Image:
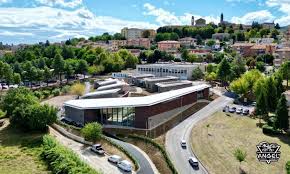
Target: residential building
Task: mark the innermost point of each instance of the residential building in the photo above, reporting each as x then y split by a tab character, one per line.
135	52
261	40
140	42
281	55
116	44
269	25
243	49
168	45
200	22
187	42
131	33
182	71
150	115
199	52
221	36
260	49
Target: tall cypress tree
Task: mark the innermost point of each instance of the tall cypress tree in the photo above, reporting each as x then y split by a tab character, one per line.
282	120
271	94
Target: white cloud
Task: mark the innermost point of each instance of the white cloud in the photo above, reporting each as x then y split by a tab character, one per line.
62	23
62	3
4	1
164	17
11	33
259	16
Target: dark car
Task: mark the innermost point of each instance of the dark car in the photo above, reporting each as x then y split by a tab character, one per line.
193	162
97	148
66	120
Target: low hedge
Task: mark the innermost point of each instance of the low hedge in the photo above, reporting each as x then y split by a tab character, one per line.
63	160
288	167
77	130
123	150
269	130
159	147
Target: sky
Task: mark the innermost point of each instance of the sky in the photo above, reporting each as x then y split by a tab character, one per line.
33	21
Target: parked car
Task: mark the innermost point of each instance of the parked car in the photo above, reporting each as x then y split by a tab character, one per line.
193	162
254	104
183	144
125	165
114	159
66	120
97	148
232	109
239	111
226	108
246	112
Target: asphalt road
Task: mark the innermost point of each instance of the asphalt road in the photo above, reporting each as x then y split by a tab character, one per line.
180	156
146	166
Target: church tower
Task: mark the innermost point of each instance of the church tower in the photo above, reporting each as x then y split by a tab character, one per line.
222	18
192	21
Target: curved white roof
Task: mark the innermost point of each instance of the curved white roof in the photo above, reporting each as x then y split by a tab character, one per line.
133	101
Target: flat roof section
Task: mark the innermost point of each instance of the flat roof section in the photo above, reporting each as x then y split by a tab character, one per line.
97	93
156	79
133	101
173	83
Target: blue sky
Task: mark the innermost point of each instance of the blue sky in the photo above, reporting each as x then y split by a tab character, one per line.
31	21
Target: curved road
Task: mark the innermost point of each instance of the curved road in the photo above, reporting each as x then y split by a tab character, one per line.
180	156
145	164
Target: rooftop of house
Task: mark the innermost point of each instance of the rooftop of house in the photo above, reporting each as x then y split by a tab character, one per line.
169	41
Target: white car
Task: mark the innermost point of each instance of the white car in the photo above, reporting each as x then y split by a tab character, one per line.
183	143
239	111
114	159
125	166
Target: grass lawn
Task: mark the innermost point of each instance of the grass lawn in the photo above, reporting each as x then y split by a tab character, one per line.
215	146
19	152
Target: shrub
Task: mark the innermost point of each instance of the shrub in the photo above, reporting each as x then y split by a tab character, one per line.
288	167
55	92
46	93
77	89
2	114
92	131
240	155
38	94
61	159
269	130
65	89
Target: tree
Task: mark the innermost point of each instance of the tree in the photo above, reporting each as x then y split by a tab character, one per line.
210	43
184	55
260	66
95	70
82	67
197	74
146	34
192	58
277	26
285	71
47	74
261	99
198	39
282	118
224	70
238	67
68	71
279	84
92	131
17	97
17	78
271	94
78	89
58	65
240	156
7	73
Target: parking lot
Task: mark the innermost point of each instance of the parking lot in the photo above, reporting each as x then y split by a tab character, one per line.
98	162
239	109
